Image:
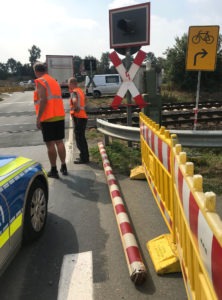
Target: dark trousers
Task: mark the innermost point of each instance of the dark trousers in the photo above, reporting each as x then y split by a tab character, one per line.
81	143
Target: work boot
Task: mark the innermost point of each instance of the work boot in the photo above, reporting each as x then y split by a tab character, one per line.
63	169
53	173
81	161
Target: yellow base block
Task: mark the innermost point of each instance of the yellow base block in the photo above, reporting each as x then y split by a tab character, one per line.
164	254
137	173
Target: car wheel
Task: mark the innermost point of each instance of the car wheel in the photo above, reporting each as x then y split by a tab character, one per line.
96	94
35	211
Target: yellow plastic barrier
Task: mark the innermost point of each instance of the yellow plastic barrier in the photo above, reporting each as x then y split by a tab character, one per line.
198	231
195	239
157	163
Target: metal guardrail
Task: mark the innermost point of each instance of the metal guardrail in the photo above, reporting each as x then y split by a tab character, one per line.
187	138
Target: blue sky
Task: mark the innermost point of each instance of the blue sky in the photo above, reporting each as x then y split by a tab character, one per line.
71	27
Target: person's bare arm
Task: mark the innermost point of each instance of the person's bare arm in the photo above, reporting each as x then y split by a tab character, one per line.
42	102
75	101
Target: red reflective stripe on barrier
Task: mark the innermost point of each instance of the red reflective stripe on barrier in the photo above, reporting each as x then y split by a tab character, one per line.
147	135
133	254
108	172
106	165
160	149
116	102
162	206
193	216
140	101
216	267
119	208
115	193
139	57
115	59
125	228
154	189
146	130
170	222
112	181
152	142
156	145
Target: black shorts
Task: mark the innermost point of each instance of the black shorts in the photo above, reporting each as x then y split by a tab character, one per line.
53	131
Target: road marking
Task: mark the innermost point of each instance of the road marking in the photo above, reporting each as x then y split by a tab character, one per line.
75	281
69	142
19	102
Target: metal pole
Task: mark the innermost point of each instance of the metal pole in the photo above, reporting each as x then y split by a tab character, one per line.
128	96
197	100
90	63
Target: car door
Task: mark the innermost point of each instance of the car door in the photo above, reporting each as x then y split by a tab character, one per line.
112	84
4	231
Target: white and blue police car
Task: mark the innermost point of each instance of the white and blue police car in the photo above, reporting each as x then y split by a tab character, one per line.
23	204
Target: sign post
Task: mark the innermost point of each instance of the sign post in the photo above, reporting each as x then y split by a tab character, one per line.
90	65
201	54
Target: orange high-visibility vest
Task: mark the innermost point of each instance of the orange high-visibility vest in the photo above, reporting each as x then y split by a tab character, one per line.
80	111
54	107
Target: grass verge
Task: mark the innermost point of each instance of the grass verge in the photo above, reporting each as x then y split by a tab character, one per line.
207	161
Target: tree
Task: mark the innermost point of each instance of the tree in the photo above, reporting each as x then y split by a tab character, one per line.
150	57
103	67
92	58
175	68
35	54
156	63
3	71
77	61
174	65
11	66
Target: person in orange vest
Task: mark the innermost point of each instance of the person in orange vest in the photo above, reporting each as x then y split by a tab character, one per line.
50	119
80	118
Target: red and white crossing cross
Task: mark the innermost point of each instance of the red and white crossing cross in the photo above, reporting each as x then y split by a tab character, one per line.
127	78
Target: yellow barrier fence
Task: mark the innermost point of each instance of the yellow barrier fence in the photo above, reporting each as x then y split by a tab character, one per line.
195	238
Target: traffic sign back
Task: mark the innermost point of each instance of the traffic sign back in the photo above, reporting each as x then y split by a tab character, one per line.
202	48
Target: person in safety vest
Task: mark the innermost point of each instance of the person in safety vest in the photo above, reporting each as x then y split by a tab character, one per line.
79	117
50	113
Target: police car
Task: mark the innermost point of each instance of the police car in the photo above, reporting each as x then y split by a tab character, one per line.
23	204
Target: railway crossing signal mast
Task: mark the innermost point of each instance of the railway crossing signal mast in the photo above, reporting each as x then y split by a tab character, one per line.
201	54
129	30
90	66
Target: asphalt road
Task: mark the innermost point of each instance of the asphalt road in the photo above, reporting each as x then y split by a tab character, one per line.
81	221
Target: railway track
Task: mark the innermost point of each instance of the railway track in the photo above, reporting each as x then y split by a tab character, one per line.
173	115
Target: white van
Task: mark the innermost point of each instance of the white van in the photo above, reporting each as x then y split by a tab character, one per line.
104	84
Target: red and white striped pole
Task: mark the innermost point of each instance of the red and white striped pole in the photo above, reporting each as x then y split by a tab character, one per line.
136	266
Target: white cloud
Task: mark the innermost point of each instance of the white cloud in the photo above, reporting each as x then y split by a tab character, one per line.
47	25
198	1
163	34
55	29
121	3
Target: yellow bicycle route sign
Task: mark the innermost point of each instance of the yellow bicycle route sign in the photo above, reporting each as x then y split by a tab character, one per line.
202	48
